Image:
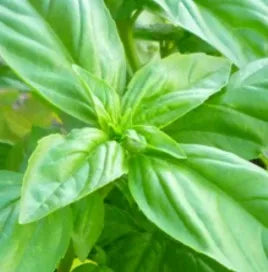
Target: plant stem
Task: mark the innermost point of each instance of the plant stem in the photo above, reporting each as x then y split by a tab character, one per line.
125	28
264	159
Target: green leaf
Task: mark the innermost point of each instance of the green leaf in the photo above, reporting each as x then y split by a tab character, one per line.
151	140
89	267
50	41
22	247
136	252
88	224
105	100
4	151
236	120
8	80
153	252
236	28
19	112
123	9
64	169
180	258
213	202
118	223
89	33
167	89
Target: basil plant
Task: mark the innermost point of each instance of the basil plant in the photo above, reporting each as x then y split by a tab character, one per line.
157	161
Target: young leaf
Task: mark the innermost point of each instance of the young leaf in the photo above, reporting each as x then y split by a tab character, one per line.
22	247
167	89
104	99
88	224
64	169
236	28
213	202
236	120
151	140
50	41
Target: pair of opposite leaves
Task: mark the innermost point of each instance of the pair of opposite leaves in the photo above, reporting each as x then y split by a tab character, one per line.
52	75
91	177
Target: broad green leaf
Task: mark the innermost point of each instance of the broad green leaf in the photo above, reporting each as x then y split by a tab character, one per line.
124	222
64	169
56	172
151	140
167	89
213	202
88	224
32	247
152	252
236	120
136	252
236	28
51	37
89	33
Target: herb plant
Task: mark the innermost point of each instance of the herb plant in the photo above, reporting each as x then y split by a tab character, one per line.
133	135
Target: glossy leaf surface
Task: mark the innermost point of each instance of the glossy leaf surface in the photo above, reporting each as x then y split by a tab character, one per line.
104	99
153	252
63	169
204	201
88	224
88	32
167	89
40	31
236	28
136	252
235	120
151	140
22	246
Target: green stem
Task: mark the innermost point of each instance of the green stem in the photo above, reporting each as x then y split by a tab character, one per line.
264	159
67	261
125	28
